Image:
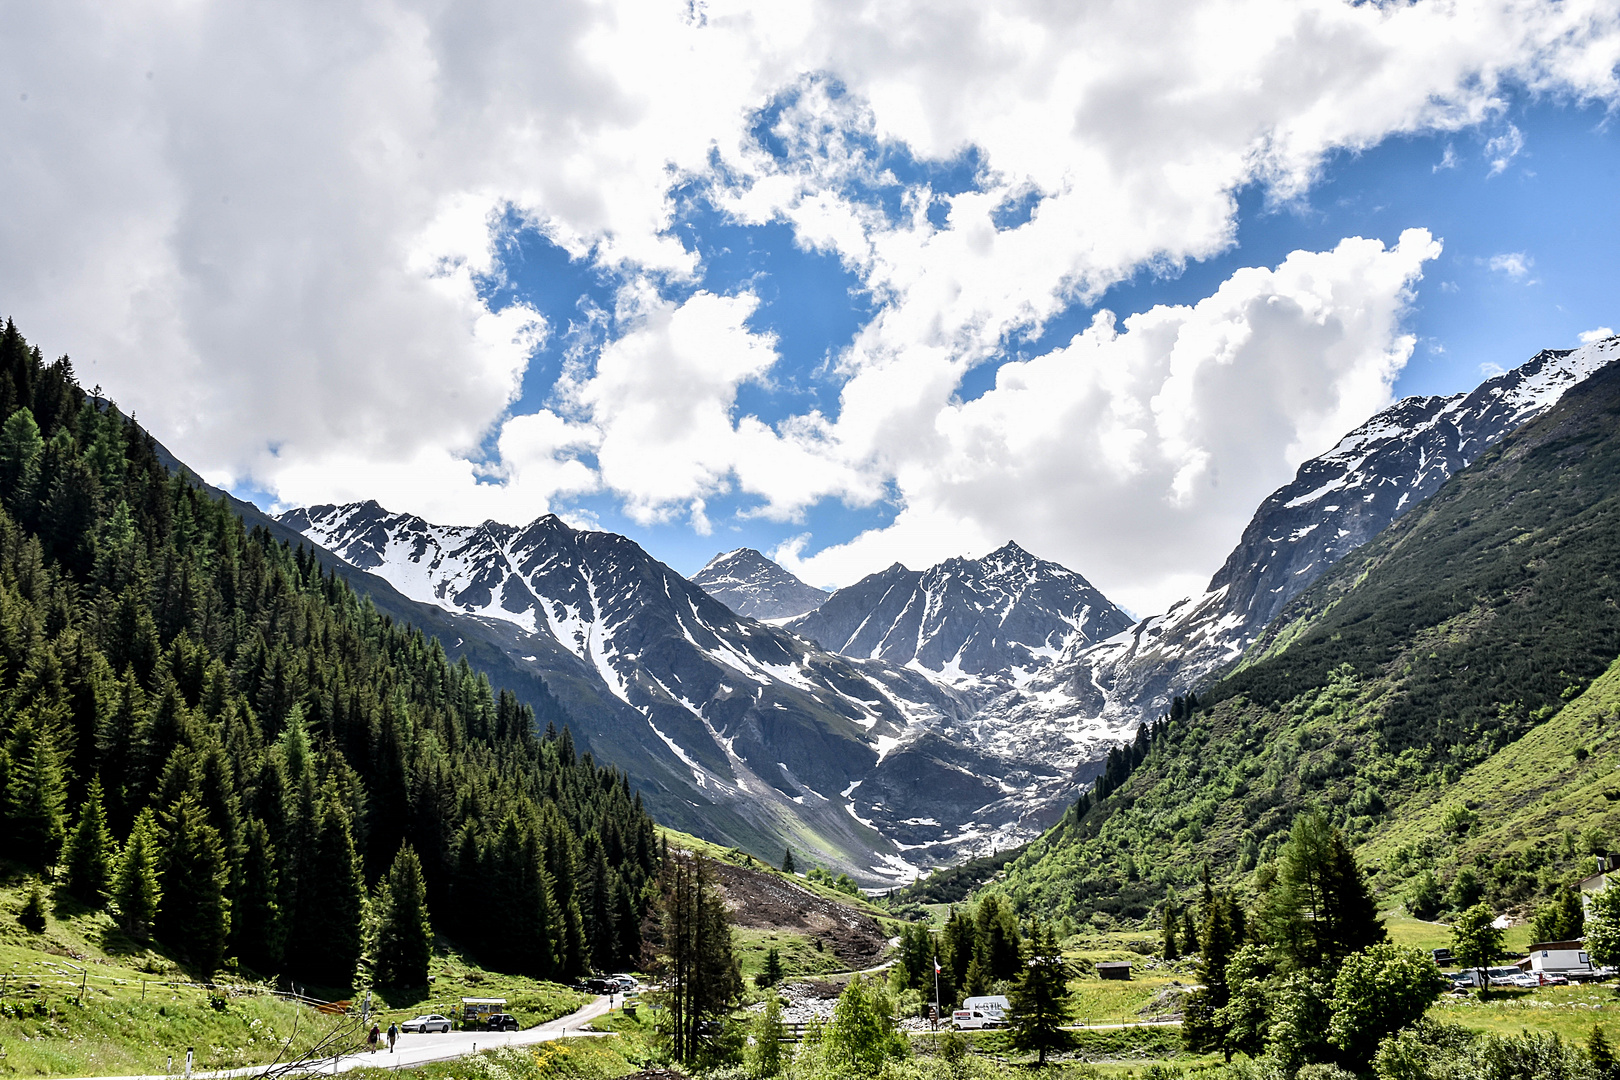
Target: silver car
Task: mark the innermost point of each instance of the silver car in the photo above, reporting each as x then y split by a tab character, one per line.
425	1024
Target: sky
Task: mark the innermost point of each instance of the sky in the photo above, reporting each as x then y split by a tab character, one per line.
851	284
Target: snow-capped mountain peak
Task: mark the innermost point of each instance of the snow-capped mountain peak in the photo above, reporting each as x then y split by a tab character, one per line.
752	585
970	623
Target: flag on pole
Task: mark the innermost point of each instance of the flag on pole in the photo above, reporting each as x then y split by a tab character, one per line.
936	966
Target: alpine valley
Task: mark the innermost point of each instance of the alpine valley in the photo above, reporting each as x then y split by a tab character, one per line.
917	716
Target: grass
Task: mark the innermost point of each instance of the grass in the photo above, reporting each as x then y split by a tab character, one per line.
798	952
134	1010
1535	791
1568	1011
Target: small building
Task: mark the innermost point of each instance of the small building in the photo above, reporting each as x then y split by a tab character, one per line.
1557	958
1114	969
474	1010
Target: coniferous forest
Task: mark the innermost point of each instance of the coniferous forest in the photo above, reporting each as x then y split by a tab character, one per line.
204	730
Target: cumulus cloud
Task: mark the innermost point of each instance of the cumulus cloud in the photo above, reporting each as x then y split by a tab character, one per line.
1601	333
1167	429
263	229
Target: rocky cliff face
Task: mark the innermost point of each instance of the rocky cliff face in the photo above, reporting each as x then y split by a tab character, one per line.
973	624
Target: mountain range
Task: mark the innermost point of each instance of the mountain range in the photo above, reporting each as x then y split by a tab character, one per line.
915	716
1445	693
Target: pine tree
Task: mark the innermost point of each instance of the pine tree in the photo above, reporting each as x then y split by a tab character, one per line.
1170	947
1040	1000
787	862
35	795
696	961
772	974
87	856
137	888
258	931
194	918
327	935
404	937
1318	909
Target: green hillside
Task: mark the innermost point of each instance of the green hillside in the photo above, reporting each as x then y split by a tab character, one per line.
1453	662
210	735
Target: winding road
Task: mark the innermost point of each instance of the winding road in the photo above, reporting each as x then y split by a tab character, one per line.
417	1049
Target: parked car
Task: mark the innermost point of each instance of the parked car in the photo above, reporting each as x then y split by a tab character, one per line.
425	1024
602	986
1554	979
499	1022
627	983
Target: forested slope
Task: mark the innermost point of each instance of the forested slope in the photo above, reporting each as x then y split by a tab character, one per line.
1467	624
270	737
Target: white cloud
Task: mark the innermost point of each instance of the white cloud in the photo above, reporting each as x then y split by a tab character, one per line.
1503	148
1515	264
262	227
1137	449
1599	334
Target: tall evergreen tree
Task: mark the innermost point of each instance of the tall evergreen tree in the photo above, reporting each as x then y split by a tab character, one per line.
194	917
1040	1000
87	856
258	931
137	887
696	962
34	797
404	937
327	932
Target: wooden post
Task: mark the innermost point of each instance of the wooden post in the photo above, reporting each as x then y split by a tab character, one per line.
84	979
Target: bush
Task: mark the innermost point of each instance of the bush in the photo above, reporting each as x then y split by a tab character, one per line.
32	915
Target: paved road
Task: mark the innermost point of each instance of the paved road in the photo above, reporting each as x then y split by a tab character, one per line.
416	1049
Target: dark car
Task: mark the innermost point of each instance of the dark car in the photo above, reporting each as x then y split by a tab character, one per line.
499	1022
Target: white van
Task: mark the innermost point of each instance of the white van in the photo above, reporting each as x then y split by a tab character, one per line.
981	1012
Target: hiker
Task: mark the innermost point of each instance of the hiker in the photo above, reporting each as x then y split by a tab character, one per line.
371	1039
393	1036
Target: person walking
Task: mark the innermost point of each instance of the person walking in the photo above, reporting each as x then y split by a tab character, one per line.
393	1036
373	1036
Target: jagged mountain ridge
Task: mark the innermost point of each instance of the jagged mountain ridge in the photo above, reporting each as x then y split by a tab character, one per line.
752	585
1095	694
969	623
736	729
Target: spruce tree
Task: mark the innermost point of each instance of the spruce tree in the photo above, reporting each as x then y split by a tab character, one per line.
35	795
258	931
87	856
137	888
1040	1000
404	937
194	918
327	937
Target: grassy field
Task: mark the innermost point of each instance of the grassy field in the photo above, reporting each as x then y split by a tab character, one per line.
799	954
83	999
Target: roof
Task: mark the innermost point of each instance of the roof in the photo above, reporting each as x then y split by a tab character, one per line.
483	1001
1112	965
1565	946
